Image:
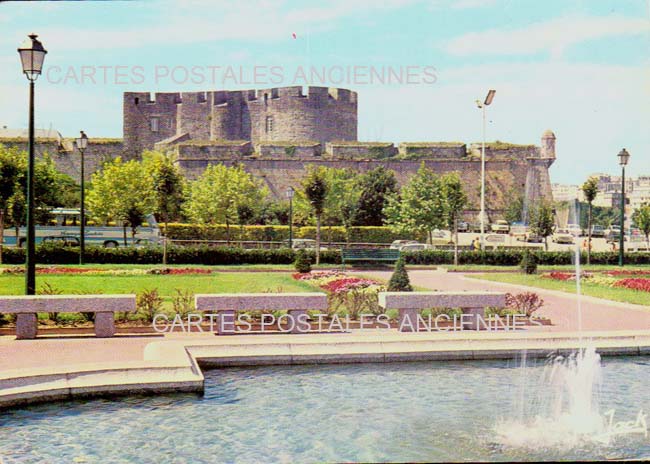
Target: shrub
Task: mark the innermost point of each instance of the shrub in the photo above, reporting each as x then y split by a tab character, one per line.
399	281
528	263
48	289
182	302
148	303
525	303
302	262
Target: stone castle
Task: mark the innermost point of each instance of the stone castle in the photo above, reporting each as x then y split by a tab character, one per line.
277	133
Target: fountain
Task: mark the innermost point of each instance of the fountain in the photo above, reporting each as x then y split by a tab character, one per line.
565	413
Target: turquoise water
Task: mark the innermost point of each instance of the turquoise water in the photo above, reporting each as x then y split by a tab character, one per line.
371	412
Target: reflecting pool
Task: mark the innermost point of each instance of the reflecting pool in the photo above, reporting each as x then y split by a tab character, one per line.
364	412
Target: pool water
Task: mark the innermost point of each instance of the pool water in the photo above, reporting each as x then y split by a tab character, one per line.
364	412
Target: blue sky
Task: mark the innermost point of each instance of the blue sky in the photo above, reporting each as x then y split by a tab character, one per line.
580	68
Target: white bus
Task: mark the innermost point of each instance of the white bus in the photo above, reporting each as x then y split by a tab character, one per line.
67	231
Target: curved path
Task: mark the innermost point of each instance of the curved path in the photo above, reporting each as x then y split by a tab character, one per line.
560	307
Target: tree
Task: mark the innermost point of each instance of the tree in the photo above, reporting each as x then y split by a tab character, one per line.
590	190
342	198
399	280
168	183
216	195
455	202
641	218
375	187
515	209
542	221
245	215
122	192
315	190
10	171
420	206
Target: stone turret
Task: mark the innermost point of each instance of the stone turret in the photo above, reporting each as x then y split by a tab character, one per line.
547	148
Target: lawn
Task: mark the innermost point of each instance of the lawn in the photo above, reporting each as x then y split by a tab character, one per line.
219	282
588	288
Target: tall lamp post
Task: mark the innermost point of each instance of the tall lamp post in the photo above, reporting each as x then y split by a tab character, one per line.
290	193
32	55
623	158
488	100
82	144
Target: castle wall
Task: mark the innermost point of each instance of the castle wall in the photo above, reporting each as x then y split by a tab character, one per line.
68	160
424	150
277	114
138	110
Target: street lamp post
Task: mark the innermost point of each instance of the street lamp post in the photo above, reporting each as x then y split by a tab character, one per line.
290	193
488	100
32	55
623	158
82	144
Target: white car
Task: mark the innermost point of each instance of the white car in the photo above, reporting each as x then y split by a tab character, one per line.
563	236
398	244
304	244
574	229
416	247
500	227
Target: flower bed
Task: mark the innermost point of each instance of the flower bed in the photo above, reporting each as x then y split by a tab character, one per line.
107	272
642	285
346	294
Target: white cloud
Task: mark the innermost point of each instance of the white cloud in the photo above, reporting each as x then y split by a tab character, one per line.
203	21
552	36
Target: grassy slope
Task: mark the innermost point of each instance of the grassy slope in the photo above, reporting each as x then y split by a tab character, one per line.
616	294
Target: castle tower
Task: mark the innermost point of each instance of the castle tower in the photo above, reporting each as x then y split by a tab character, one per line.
547	148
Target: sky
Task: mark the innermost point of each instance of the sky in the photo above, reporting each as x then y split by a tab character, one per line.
580	68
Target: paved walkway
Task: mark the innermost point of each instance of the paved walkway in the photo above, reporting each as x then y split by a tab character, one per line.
560	307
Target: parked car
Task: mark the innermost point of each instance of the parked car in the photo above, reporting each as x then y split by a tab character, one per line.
62	240
575	230
563	236
597	231
613	236
533	238
463	226
500	227
397	244
304	244
518	230
416	247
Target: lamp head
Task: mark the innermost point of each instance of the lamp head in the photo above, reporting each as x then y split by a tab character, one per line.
82	141
623	157
32	54
290	192
489	97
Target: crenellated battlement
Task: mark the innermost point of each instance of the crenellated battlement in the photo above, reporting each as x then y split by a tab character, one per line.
273	114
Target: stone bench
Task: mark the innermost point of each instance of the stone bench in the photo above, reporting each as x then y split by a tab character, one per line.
27	307
226	304
410	303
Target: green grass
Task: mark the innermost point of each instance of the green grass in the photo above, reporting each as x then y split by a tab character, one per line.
222	282
624	295
541	268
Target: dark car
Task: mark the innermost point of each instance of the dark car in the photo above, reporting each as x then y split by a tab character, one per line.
62	240
597	231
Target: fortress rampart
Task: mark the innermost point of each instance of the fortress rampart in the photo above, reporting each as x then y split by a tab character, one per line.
277	133
277	114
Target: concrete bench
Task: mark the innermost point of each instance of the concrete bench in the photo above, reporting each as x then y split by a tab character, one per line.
226	304
27	307
410	303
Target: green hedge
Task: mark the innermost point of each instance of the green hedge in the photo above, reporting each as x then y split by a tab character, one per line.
177	231
51	254
46	254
